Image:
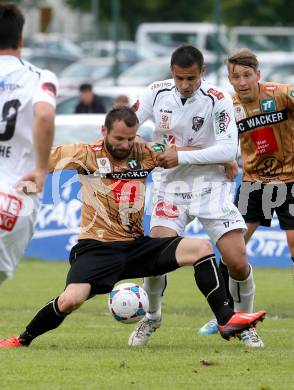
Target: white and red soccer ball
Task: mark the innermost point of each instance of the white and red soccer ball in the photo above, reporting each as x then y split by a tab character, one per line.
128	302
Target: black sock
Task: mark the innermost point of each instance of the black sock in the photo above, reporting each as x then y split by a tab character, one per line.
225	274
48	317
210	282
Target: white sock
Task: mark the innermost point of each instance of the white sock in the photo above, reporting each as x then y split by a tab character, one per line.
155	286
243	292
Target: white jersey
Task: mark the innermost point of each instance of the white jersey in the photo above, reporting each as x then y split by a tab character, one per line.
205	120
21	86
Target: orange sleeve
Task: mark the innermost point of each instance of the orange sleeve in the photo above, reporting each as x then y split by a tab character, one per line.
68	157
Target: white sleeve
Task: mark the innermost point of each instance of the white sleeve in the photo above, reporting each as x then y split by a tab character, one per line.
46	90
144	106
225	130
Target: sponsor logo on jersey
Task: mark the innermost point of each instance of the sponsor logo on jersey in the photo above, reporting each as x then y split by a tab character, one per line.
197	122
268	105
222	120
291	93
135	106
165	121
264	140
96	148
103	165
124	191
133	164
4	86
239	112
10	207
49	88
262	120
140	174
161	85
270	87
163	209
219	95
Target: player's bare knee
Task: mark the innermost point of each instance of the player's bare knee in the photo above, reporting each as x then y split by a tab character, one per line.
190	250
68	303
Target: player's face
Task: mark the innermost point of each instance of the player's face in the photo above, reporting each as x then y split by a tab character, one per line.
119	140
187	80
244	80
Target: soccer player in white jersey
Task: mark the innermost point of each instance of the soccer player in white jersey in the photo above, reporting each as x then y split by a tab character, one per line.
192	114
27	109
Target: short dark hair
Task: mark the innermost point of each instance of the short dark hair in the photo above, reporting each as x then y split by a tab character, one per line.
121	113
85	87
186	56
11	25
243	57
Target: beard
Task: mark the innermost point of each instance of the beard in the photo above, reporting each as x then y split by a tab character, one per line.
117	154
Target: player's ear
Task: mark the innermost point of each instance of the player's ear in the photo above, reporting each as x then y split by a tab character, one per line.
21	41
258	74
104	130
203	71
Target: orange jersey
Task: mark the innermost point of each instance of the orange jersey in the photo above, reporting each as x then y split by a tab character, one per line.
266	131
113	191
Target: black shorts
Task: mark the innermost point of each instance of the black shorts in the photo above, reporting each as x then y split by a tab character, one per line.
102	264
255	205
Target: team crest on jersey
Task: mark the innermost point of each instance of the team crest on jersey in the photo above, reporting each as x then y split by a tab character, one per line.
197	122
268	105
165	121
49	88
239	113
133	164
168	139
291	93
103	165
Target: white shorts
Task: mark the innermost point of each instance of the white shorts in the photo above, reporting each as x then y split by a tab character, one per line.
215	210
18	213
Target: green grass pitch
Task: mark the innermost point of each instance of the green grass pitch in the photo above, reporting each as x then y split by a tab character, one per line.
89	350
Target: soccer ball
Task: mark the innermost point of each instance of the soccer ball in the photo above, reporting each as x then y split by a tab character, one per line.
128	302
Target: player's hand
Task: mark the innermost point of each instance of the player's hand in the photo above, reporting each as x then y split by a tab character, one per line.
32	182
168	159
139	148
231	170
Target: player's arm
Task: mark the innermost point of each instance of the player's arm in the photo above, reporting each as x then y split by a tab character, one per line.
144	110
42	133
226	141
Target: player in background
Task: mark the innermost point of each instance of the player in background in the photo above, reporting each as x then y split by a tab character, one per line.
189	112
111	244
264	113
27	105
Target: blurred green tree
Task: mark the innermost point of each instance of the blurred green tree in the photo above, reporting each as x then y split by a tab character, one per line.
234	12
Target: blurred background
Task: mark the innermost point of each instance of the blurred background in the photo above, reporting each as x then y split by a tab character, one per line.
127	43
105	52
